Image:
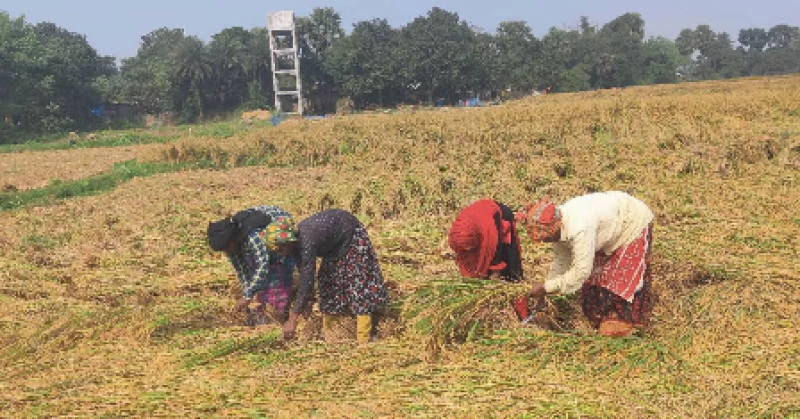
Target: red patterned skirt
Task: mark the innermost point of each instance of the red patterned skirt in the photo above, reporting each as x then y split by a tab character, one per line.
619	286
354	282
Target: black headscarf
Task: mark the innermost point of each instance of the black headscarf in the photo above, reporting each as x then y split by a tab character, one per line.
221	232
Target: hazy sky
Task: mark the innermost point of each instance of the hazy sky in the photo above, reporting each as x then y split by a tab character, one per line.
114	27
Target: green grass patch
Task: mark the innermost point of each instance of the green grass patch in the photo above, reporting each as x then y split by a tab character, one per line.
156	396
16	138
224	129
589	354
219	130
232	346
58	189
120	172
760	243
713	273
43	242
130	137
104	140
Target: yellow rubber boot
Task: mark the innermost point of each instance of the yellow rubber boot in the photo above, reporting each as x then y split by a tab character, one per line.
363	327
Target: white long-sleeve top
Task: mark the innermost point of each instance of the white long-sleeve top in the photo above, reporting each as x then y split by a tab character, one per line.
603	221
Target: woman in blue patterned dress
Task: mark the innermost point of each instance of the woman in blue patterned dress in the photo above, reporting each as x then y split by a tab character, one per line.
265	277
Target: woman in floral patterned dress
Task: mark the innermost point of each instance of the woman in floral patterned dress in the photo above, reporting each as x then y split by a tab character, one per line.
349	280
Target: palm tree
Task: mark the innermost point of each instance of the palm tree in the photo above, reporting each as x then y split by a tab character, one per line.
230	51
193	70
258	67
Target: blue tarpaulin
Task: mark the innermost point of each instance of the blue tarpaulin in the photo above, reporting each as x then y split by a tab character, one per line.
473	102
470	103
277	119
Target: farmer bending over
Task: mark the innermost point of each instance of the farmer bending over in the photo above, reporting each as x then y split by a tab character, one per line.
484	239
602	245
349	280
265	276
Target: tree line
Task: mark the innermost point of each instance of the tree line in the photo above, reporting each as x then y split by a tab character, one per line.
50	77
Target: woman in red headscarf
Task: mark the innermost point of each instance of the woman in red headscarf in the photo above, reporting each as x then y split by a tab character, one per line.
484	238
601	243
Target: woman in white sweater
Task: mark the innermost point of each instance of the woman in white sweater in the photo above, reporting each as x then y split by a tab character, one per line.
602	245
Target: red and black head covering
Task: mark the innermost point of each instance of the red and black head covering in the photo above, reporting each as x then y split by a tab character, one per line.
541	220
474	237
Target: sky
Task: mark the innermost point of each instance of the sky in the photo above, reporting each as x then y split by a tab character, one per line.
115	27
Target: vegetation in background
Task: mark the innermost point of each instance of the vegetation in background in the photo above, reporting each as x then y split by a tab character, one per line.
48	77
52	78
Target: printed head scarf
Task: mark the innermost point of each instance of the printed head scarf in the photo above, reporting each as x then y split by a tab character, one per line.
541	220
281	230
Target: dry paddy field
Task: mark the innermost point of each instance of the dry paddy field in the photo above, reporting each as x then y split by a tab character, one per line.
35	169
112	304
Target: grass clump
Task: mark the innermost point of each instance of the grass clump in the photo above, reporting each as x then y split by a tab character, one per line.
458	310
228	347
106	139
58	189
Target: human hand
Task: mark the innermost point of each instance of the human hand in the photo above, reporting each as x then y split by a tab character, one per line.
290	327
537	290
242	304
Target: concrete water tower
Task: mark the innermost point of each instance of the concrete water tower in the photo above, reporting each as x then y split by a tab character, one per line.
285	62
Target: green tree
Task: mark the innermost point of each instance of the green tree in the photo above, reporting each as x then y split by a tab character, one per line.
363	64
517	51
621	43
317	34
193	71
659	62
782	36
259	71
575	79
752	42
19	52
782	54
487	71
753	39
230	52
148	78
69	68
559	54
437	50
713	54
47	76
